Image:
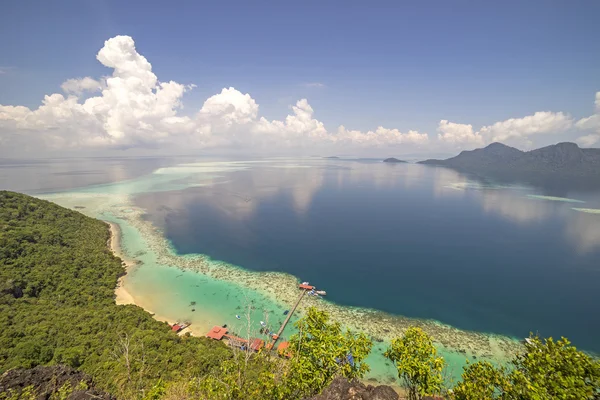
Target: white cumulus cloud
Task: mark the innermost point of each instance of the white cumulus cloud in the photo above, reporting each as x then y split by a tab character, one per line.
461	135
513	130
380	137
133	108
81	85
542	122
591	123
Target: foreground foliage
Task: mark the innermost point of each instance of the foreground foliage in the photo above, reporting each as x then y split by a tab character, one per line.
418	365
320	351
547	370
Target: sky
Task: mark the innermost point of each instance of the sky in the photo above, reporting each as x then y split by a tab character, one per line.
336	77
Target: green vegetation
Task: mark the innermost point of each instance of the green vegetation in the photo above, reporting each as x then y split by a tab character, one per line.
57	280
320	351
414	356
547	370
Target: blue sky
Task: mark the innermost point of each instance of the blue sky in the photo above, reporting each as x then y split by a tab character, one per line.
404	65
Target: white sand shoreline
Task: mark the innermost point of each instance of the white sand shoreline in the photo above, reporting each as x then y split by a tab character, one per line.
122	295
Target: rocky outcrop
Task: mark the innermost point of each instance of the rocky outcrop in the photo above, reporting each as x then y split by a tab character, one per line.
342	389
48	380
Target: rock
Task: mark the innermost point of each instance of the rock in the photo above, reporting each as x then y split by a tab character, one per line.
48	380
342	389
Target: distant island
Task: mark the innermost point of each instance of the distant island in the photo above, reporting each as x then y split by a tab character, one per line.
333	157
562	160
393	160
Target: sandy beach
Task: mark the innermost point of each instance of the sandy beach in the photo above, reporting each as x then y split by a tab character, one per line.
122	295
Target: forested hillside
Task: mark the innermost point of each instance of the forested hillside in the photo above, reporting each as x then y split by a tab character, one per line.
57	280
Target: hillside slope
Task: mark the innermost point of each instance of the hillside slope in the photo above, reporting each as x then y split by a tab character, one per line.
57	280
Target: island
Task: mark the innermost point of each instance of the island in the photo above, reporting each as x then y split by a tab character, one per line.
562	160
393	160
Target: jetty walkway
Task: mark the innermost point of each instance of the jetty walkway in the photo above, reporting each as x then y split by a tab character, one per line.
304	290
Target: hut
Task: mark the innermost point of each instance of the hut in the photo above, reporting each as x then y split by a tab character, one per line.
217	333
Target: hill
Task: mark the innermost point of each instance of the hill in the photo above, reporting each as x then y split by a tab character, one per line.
560	160
393	160
57	281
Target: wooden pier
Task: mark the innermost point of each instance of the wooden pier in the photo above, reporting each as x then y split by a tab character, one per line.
220	332
276	337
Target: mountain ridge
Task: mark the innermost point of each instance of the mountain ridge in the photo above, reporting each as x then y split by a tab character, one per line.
563	159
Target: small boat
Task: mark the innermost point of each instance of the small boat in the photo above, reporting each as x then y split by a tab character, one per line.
286	312
262	323
321	292
179	326
238	317
305	283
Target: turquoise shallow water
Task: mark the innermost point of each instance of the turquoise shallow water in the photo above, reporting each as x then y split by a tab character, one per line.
169	291
166	283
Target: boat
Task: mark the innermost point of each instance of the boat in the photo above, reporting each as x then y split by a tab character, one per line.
305	283
321	292
262	323
286	312
179	326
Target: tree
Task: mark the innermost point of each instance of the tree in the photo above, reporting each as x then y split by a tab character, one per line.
481	380
546	370
320	351
418	366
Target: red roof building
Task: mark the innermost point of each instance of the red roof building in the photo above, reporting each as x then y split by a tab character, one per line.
257	344
175	328
306	287
282	349
217	333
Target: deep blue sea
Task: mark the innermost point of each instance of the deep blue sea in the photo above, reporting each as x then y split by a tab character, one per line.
413	240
